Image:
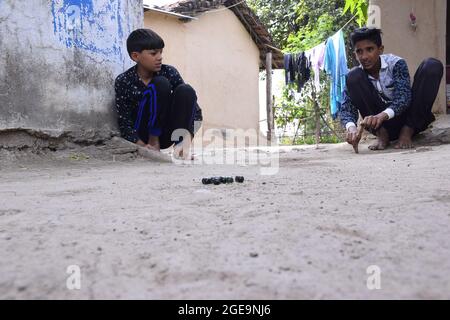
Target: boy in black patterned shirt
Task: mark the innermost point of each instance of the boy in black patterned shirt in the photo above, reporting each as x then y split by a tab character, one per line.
152	101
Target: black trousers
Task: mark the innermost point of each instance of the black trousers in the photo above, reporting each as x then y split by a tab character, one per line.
418	116
162	111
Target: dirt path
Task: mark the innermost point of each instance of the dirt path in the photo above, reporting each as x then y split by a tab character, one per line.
144	230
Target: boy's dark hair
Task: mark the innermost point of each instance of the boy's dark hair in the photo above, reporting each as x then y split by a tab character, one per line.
371	34
144	39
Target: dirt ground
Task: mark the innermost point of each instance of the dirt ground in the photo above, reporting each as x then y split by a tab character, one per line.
143	230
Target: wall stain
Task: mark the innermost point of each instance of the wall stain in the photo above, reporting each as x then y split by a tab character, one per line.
91	26
33	102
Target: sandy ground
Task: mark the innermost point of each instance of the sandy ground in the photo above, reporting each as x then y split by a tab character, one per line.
146	230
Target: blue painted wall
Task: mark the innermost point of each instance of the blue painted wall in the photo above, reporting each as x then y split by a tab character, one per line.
94	27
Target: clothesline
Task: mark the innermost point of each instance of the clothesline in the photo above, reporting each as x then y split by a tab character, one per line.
348	22
329	56
345	25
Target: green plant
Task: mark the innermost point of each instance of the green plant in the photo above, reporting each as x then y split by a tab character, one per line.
358	7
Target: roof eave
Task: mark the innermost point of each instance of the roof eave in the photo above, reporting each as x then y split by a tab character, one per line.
178	15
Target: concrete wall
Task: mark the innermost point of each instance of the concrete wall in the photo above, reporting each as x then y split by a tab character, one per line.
217	56
428	40
58	61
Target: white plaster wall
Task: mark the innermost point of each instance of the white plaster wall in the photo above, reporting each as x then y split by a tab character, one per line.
429	40
217	56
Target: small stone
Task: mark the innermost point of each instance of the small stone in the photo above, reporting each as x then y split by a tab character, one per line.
206	181
22	288
254	255
239	179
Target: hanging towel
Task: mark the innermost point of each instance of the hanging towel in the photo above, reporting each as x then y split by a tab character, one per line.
336	68
316	56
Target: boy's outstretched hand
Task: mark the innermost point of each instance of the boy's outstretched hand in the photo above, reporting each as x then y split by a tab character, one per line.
354	136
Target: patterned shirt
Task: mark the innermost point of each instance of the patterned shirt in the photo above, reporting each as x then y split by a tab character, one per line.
130	91
393	86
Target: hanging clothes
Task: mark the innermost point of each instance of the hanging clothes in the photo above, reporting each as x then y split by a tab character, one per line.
289	68
297	69
287	57
303	71
316	57
336	67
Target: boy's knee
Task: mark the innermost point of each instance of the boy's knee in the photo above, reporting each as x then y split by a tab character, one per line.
186	91
433	67
356	76
161	84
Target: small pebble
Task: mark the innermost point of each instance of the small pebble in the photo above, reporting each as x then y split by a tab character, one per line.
239	179
206	181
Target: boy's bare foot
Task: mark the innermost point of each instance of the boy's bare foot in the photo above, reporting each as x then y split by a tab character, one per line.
382	140
153	143
405	139
141	143
181	154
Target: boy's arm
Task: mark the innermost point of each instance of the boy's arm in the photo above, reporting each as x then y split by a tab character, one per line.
402	90
175	78
124	113
348	114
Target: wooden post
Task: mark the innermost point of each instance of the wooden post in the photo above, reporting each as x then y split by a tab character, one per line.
270	118
317	114
316	106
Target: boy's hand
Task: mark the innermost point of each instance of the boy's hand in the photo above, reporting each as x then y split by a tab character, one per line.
375	122
352	135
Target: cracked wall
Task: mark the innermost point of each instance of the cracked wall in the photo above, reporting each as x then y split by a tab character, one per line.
59	59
